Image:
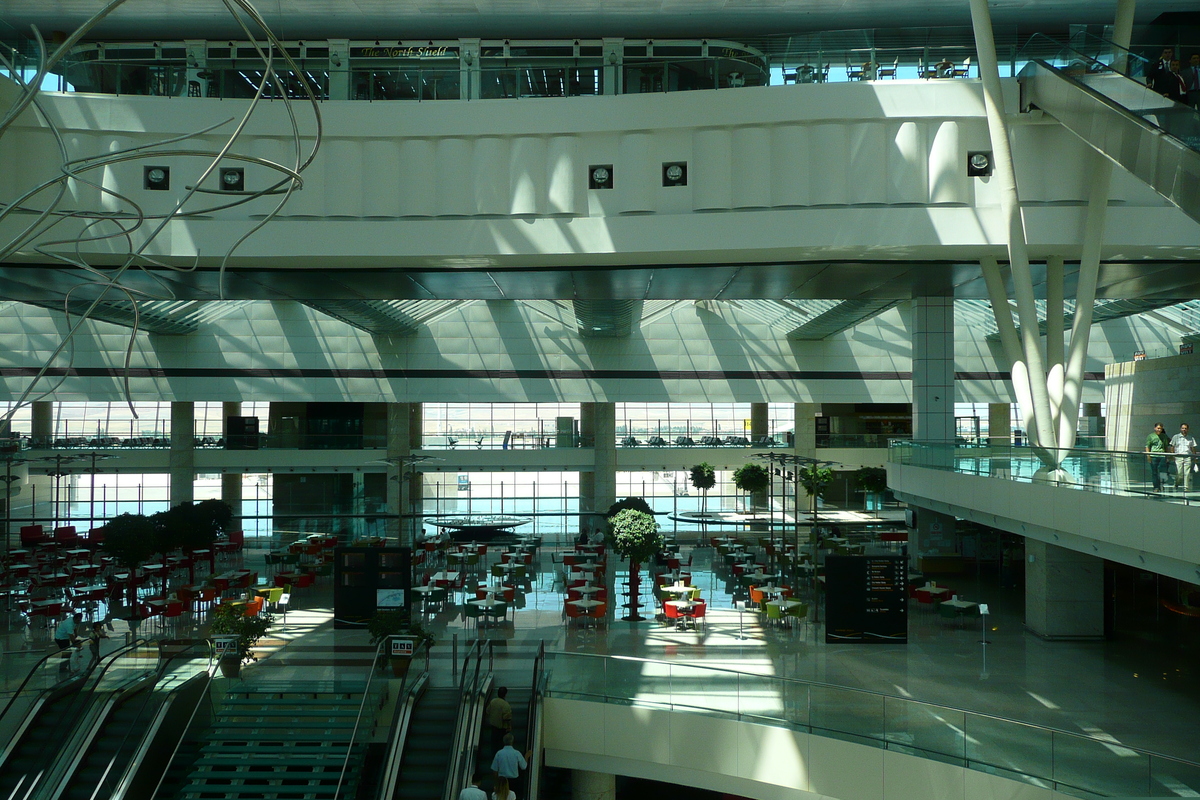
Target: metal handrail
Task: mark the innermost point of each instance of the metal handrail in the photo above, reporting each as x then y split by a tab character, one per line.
161	669
896	698
362	706
533	724
465	731
399	729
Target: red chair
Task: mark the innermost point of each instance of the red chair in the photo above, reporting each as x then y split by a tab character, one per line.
66	534
673	614
573	612
699	611
33	535
570	561
599	613
574	595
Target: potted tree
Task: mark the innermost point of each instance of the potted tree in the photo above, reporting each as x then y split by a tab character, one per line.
873	482
635	535
704	477
131	539
815	479
230	620
753	479
397	622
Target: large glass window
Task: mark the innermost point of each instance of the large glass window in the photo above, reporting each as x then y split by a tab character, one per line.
496	425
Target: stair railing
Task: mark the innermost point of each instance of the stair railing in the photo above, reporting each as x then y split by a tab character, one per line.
374	696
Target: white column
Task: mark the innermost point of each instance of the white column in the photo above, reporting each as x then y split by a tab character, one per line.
1005	176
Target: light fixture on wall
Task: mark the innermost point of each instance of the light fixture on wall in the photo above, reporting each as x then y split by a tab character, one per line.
156	179
979	164
233	179
674	173
600	176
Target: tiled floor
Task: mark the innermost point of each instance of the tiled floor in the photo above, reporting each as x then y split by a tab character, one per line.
1128	691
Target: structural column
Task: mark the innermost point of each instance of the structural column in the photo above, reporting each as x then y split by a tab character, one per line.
804	443
231	483
182	462
587	785
404	485
933	369
760	421
598	488
42	423
1064	592
999	424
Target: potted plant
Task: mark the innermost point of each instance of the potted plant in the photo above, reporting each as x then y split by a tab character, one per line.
384	624
753	479
815	479
231	620
704	477
635	535
873	481
131	539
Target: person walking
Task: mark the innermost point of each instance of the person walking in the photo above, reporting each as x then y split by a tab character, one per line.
509	762
473	792
498	714
1184	447
65	634
1191	80
1157	443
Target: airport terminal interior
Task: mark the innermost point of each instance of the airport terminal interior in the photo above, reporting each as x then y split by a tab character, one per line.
737	399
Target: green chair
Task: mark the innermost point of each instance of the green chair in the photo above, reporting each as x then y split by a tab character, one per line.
519	573
436	597
798	613
498	571
774	613
472	612
499	612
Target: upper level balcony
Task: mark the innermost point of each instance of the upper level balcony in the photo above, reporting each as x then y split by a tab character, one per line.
1100	502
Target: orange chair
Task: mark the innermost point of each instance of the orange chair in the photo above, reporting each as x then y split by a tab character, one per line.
253	608
599	613
573	612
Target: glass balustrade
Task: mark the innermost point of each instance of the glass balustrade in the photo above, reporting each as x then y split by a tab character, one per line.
1069	762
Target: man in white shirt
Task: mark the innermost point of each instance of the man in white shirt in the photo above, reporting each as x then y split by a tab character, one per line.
1184	447
473	792
509	762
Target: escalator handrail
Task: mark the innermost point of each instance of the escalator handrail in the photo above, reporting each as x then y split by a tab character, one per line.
179	743
401	720
362	707
161	668
533	724
460	754
33	670
89	680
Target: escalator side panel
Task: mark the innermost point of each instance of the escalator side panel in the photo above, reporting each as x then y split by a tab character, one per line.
1164	162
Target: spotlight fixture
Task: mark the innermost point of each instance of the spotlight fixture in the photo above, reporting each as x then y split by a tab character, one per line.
233	179
156	179
674	173
979	164
600	176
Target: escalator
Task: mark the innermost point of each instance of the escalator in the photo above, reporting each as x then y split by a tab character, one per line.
1097	91
425	766
132	741
49	710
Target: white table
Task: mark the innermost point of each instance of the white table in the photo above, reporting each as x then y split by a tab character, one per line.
589	589
676	589
586	603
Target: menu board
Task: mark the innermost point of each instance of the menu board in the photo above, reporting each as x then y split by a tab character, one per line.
866	600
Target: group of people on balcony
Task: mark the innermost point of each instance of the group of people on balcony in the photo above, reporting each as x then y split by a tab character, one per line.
1172	457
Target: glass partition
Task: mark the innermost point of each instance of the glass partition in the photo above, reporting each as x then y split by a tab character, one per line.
1067	762
1105	471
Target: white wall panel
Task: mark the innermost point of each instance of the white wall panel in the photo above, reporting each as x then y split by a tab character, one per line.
455	189
381	190
527	175
564	176
343	177
635	177
907	175
710	172
751	168
309	201
490	175
418	190
789	165
828	156
948	166
867	167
